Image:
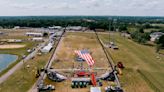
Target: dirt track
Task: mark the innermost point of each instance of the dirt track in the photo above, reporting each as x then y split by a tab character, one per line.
11	46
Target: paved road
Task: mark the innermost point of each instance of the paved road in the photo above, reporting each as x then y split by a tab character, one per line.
43	75
18	65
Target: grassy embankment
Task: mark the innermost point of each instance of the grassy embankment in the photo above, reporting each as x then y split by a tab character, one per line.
138	57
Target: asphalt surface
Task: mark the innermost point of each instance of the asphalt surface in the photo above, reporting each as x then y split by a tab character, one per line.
48	65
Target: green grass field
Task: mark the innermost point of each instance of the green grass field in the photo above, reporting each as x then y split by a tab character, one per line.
160	25
135	56
151	29
24	78
79	41
19	52
66	59
161	51
16	34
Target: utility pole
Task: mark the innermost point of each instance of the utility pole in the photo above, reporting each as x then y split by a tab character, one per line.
110	23
114	25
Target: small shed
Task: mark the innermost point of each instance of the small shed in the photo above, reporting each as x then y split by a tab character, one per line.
155	36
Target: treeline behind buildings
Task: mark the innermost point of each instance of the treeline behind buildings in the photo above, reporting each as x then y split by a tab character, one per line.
101	22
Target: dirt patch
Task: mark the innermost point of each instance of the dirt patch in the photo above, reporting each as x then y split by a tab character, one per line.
11	46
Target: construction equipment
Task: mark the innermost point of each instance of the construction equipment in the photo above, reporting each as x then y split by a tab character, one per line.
109	76
93	79
120	65
82	73
113	46
44	88
113	89
56	77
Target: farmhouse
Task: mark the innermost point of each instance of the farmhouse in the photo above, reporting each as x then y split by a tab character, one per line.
47	48
34	34
126	35
37	39
155	36
16	27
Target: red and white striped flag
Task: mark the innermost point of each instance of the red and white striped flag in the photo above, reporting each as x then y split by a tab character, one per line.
84	54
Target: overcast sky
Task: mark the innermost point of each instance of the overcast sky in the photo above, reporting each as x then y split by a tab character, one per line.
82	7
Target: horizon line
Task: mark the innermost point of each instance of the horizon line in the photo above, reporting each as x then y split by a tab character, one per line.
77	16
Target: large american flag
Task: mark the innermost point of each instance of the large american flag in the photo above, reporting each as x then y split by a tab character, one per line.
84	54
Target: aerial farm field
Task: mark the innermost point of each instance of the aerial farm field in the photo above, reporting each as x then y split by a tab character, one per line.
18	49
66	59
143	66
24	77
79	41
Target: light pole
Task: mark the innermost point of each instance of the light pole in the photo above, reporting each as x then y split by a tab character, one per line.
110	24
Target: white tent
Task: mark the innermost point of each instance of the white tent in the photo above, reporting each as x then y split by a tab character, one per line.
47	48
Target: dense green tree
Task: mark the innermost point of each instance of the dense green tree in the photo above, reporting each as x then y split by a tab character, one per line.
161	41
140	37
45	34
141	30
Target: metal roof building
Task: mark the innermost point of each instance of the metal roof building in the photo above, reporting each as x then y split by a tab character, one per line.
34	34
47	48
37	39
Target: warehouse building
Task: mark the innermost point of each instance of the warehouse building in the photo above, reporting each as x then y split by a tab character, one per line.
40	39
34	34
47	48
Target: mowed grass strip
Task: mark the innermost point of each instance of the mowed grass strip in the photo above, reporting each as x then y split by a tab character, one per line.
135	56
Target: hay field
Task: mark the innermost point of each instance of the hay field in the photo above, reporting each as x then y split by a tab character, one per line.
14	33
135	56
11	46
66	59
78	41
